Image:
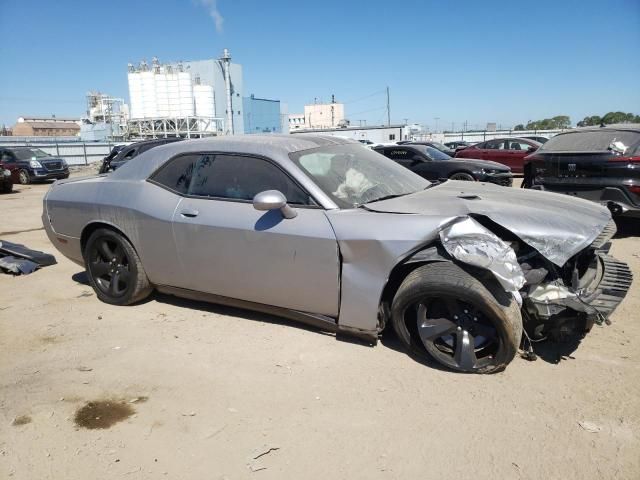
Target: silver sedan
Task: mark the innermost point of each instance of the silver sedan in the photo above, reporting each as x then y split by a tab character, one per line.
325	231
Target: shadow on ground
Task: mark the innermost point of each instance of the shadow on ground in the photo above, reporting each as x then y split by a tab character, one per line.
627	227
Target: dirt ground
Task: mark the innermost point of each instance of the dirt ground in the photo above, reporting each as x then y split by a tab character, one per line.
206	392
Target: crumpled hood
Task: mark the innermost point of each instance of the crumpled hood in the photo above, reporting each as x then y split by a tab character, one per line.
481	163
558	226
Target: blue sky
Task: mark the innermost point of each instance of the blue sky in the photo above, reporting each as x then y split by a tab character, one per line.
503	62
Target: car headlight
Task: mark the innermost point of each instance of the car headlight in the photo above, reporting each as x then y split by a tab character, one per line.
489	170
468	241
64	163
6	173
35	164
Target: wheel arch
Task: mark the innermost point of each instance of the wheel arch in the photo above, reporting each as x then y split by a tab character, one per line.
431	253
93	226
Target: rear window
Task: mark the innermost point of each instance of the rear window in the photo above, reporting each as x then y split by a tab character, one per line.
592	141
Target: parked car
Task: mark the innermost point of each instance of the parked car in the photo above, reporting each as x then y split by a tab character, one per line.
436	145
120	154
537	139
328	232
30	164
6	184
432	164
601	164
457	145
507	151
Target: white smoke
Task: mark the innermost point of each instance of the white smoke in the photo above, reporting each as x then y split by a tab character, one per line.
212	7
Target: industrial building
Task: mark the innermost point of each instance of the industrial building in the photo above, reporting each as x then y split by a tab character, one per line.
106	118
378	134
46	127
261	115
319	115
196	98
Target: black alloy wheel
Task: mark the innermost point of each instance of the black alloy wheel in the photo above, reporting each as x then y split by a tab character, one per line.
456	334
464	176
114	268
109	266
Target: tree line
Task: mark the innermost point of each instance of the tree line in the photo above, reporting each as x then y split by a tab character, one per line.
563	121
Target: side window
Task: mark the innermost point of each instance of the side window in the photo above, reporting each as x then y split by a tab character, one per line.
392	136
131	153
515	145
7	157
242	178
176	174
494	145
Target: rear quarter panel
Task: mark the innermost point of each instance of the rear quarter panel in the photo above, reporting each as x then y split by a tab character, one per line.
140	210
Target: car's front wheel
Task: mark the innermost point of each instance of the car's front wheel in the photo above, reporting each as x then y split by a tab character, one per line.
23	177
442	311
114	268
464	176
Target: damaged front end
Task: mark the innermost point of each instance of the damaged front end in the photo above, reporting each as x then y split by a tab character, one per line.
585	290
556	301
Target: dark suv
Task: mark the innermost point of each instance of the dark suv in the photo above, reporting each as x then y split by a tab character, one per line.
121	154
601	164
30	164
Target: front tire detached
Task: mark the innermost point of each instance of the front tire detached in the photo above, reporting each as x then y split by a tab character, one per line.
442	312
114	268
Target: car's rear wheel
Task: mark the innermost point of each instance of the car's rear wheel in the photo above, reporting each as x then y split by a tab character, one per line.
442	311
464	176
23	177
114	268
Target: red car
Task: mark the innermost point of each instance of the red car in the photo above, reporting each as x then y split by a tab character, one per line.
507	151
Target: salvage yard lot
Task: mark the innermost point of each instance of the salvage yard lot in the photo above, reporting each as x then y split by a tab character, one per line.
214	392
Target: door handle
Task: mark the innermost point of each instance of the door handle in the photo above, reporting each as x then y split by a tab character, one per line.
189	213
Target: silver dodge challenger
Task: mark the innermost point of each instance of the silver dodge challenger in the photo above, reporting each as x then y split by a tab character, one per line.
325	231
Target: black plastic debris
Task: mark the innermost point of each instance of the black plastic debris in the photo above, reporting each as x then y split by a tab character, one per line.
17	266
17	259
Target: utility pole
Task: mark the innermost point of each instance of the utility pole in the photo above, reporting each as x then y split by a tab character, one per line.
406	121
436	119
388	109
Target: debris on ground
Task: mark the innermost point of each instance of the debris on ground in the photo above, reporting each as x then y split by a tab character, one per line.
16	259
590	427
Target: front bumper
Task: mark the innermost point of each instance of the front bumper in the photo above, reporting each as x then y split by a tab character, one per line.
503	179
561	310
42	174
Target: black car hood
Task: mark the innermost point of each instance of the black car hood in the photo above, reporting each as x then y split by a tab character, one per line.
487	164
558	226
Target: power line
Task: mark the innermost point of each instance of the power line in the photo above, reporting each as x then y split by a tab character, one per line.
365	97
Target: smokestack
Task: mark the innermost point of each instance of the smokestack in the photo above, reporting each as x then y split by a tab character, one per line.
226	62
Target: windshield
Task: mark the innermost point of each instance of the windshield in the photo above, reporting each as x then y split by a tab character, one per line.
29	153
439	146
353	175
436	154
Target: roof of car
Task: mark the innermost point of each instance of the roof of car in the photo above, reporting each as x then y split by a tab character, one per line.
277	147
632	127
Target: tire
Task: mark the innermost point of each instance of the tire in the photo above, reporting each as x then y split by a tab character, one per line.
442	312
23	177
114	268
464	176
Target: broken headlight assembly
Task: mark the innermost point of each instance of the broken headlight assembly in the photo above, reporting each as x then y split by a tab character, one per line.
469	242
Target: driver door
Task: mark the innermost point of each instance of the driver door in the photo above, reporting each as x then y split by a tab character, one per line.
228	248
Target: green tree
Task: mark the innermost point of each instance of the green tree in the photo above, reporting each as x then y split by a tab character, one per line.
519	127
608	119
559	121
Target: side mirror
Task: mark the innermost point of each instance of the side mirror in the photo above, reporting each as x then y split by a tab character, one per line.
273	200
